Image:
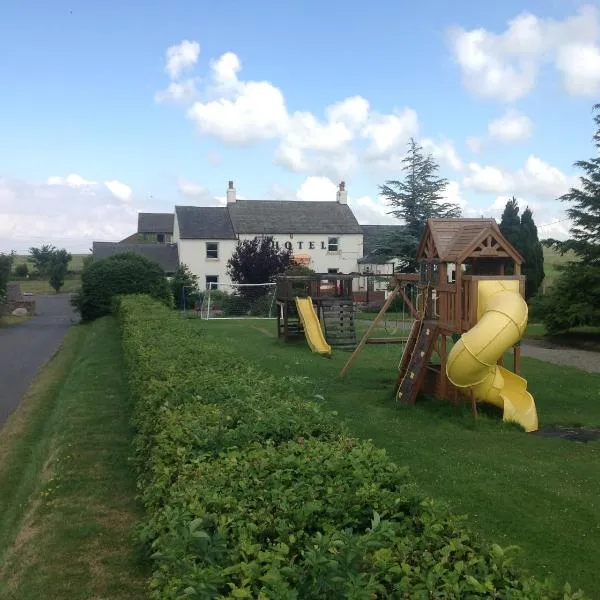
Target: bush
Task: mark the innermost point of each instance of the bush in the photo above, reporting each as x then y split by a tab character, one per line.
253	492
103	280
21	270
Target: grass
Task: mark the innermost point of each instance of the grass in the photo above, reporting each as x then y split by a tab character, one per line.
40	286
76	264
8	320
66	487
516	488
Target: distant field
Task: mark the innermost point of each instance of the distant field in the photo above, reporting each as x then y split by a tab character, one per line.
553	260
76	263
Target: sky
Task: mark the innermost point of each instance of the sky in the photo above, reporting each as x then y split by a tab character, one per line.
111	108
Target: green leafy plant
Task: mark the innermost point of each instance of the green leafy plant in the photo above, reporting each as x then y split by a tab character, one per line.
128	273
252	491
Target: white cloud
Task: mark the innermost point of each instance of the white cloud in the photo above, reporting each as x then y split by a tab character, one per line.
317	189
580	66
444	152
68	212
72	180
256	112
198	193
513	126
389	134
453	194
506	65
181	57
177	91
353	112
535	180
119	190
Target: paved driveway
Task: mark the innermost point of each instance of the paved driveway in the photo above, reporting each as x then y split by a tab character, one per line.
26	347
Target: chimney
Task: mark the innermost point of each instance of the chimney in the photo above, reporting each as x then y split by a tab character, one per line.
342	194
231	193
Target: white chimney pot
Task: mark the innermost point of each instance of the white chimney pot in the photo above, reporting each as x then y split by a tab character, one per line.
231	193
342	194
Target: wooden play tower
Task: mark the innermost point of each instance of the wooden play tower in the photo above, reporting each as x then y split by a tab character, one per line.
454	254
331	294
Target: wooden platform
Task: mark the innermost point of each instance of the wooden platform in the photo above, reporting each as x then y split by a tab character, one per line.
338	319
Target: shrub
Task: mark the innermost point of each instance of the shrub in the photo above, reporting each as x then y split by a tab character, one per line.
127	273
21	270
253	492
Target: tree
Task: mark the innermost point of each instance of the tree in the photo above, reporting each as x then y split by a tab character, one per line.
416	198
258	260
574	298
58	271
44	257
522	233
510	223
184	286
532	251
21	270
6	261
127	273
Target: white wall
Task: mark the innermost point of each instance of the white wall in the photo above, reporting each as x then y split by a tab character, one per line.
193	254
316	247
175	228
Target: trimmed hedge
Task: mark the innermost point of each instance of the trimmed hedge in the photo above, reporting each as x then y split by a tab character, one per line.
252	492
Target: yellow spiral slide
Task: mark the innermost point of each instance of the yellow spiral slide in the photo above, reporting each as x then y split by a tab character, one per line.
472	362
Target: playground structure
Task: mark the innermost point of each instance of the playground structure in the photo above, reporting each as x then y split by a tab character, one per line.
467	300
303	301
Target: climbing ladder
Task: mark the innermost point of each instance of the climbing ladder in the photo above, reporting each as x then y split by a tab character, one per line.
338	318
416	355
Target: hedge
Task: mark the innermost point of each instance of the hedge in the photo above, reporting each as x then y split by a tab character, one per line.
253	492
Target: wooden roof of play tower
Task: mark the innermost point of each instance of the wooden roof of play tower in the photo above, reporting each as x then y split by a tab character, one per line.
457	240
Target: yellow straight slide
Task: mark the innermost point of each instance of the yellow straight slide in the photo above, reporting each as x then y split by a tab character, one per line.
312	327
472	362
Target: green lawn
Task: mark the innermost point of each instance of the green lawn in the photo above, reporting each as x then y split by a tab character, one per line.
66	487
8	320
39	286
76	264
516	488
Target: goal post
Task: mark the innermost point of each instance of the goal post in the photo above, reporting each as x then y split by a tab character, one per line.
239	301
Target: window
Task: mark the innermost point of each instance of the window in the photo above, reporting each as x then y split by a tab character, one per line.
332	271
332	244
160	238
212	250
210	279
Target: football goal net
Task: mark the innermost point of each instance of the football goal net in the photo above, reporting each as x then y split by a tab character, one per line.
239	301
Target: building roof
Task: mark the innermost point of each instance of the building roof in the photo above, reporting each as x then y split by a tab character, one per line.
204	222
166	255
155	223
292	216
452	240
373	235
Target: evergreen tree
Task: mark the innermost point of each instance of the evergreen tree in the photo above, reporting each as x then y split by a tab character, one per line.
414	199
533	254
184	287
575	297
510	223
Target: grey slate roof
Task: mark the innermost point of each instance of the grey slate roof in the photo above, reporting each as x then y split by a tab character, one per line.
372	237
204	222
155	223
166	255
293	216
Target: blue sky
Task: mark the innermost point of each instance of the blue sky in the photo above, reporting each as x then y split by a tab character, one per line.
500	93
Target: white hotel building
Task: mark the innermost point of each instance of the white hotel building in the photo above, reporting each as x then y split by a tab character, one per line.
324	235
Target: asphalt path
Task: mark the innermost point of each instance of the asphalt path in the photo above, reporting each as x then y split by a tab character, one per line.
27	347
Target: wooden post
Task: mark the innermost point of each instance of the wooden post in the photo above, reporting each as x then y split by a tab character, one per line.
517	360
365	337
473	404
443	359
458	298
